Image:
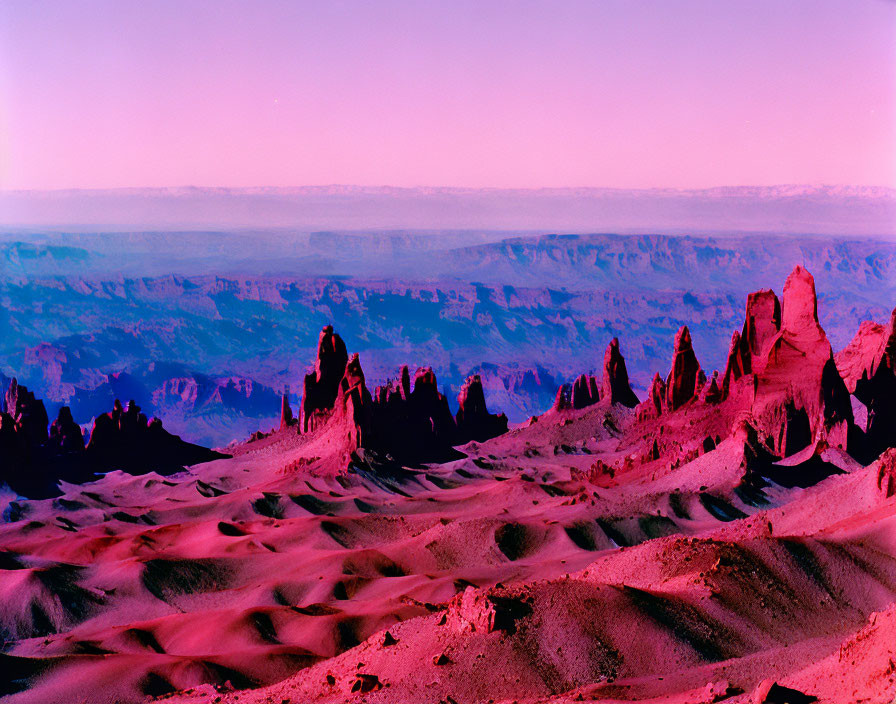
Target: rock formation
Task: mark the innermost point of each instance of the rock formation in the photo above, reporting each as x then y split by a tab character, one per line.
409	422
286	419
798	373
125	439
563	399
33	460
65	433
875	386
585	391
615	384
473	420
322	385
653	405
28	413
712	392
682	382
748	350
737	365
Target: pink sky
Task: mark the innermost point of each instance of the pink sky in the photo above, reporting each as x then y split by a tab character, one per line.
618	93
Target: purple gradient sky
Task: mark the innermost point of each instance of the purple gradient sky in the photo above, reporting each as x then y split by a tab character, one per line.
620	93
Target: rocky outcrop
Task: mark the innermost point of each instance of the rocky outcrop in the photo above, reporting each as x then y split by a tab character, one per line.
28	413
410	422
737	365
65	434
563	399
585	391
473	420
33	460
682	382
286	419
322	385
876	389
748	349
414	423
712	392
798	378
615	384
125	439
762	321
800	305
653	405
353	407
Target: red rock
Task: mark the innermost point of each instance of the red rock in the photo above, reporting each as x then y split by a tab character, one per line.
563	400
429	407
682	382
584	391
473	420
762	322
286	418
652	406
748	349
615	384
738	364
124	439
873	381
28	412
886	474
798	378
800	306
65	433
713	392
322	385
355	403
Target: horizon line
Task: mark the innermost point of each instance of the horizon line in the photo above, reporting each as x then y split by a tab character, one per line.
444	188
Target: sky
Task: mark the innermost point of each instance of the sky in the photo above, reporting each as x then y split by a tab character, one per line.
483	93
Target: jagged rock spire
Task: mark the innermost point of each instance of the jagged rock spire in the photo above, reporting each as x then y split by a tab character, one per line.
286	418
800	308
681	385
615	384
322	385
474	422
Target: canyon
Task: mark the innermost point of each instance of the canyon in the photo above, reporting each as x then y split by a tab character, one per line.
722	535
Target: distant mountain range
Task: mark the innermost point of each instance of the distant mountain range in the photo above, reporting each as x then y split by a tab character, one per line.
845	210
